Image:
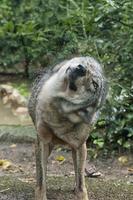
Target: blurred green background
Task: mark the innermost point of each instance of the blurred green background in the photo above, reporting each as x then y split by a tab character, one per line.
35	34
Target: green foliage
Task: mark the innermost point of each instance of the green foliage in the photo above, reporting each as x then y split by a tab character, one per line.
37	33
22	87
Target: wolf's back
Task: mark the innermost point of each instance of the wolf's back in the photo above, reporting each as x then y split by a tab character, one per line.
36	88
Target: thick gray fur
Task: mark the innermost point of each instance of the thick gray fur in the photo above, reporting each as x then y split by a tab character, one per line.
64	105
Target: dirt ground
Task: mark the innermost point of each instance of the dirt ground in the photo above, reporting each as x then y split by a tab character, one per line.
17	177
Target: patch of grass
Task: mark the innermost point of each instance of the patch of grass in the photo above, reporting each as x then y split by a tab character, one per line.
109	190
60	188
16	133
98	189
22	87
13	189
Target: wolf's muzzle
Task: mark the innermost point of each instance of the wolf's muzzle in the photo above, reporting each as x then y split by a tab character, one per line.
74	73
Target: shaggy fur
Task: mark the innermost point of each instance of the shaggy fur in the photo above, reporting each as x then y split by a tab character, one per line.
64	105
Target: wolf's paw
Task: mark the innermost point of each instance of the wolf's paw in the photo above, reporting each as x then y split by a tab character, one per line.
81	195
40	195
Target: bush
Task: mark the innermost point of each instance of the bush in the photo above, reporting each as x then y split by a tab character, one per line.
36	34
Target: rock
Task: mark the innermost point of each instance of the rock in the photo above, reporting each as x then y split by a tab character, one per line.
17	99
90	171
5	89
11	96
21	111
12	110
123	160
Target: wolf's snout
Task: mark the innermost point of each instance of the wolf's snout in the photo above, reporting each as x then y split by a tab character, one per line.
74	73
80	70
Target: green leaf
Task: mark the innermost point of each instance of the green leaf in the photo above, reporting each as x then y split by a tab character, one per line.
127	145
99	142
120	141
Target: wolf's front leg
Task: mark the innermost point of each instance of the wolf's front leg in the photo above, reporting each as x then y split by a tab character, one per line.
38	169
44	159
79	159
41	190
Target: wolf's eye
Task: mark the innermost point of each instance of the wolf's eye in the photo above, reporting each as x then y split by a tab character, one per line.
95	84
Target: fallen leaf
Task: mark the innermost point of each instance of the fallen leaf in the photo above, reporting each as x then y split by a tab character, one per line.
123	160
27	180
60	158
130	171
13	145
5	164
58	149
4	190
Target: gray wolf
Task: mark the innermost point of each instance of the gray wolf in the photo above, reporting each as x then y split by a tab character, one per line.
64	105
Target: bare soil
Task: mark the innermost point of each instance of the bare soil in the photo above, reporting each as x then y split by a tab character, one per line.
17	181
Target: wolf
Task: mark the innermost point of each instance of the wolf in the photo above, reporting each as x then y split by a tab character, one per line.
64	105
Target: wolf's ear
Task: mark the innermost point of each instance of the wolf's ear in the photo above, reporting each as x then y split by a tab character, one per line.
73	74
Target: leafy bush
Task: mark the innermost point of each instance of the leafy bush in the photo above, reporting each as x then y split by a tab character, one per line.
36	34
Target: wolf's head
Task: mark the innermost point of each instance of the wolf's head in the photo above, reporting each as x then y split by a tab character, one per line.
84	82
77	88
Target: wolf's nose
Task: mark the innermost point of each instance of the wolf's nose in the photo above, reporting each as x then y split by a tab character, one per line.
76	72
80	70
